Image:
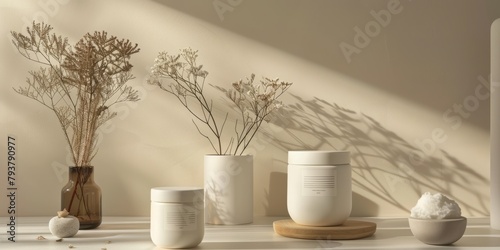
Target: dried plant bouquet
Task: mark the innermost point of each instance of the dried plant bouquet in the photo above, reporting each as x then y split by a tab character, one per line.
79	84
255	102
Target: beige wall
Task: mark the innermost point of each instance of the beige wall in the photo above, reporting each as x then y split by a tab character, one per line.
406	102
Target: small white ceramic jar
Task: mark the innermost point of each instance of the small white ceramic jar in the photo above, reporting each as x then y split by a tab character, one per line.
319	187
177	217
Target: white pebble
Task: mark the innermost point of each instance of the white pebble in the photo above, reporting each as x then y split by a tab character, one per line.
64	227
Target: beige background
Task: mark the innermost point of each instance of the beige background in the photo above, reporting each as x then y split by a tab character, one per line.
408	103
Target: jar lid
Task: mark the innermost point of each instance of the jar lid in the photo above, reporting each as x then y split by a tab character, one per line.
176	194
313	157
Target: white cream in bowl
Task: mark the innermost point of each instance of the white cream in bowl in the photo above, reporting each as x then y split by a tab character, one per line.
436	206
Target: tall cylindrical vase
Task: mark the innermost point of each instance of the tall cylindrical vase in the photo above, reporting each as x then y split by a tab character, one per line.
82	198
495	126
228	189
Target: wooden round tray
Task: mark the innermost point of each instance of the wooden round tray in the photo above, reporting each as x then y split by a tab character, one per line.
350	230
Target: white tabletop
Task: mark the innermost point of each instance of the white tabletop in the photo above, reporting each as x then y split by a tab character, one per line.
133	233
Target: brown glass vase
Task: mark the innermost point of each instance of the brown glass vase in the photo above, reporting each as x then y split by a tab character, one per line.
81	196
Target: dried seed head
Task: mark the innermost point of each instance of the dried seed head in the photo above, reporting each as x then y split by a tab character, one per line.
62	214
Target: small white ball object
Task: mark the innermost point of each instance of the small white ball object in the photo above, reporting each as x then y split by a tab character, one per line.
64	225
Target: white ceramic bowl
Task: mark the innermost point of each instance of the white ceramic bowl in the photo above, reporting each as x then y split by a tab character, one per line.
438	232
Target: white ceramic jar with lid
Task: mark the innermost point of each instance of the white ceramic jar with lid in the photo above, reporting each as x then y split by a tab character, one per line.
319	187
177	217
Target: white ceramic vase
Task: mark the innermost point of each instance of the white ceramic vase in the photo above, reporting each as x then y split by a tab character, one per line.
228	189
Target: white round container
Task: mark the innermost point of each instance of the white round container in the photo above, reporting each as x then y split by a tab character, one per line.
177	217
319	187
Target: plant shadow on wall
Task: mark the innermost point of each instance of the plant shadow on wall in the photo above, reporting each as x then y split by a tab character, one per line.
384	165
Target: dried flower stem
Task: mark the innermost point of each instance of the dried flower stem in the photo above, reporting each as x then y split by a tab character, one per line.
82	176
255	102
